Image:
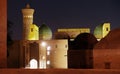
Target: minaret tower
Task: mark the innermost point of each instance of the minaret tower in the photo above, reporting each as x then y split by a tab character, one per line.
27	20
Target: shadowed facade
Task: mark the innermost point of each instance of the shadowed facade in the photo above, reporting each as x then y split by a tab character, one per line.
80	55
106	53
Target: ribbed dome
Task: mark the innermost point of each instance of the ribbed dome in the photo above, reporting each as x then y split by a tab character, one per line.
45	32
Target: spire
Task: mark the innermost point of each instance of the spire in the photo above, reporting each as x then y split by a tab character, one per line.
27	6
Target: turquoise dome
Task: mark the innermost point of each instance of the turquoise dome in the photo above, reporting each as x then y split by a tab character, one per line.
45	32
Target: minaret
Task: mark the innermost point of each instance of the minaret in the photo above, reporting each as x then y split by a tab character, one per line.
27	20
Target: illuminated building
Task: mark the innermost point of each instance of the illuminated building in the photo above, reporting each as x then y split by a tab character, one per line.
102	30
37	49
46	53
28	26
34	32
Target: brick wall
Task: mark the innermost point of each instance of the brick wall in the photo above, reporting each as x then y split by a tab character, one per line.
3	22
59	71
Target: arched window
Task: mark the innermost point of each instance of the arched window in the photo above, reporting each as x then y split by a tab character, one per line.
33	64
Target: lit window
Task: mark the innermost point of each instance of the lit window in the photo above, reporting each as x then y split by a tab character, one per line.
48	48
48	62
42	64
33	64
48	52
43	57
43	44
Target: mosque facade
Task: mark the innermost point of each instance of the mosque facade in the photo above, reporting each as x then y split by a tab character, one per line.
40	49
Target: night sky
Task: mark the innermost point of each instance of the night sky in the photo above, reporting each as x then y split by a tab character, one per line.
65	14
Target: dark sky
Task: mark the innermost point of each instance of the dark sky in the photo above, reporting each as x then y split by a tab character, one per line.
65	13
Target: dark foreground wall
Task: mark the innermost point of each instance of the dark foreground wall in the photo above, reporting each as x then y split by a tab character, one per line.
106	53
59	71
3	33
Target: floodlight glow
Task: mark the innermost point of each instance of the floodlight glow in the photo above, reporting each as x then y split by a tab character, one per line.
42	63
48	48
43	44
43	57
48	52
48	62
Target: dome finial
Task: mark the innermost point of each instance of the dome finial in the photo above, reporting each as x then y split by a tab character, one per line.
28	6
